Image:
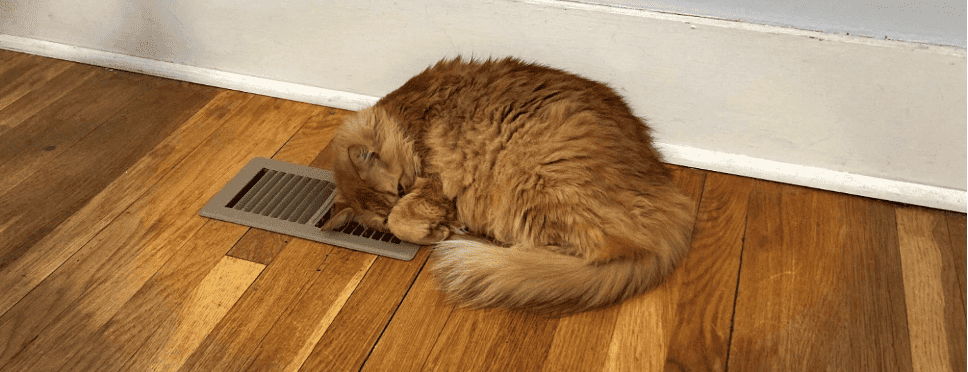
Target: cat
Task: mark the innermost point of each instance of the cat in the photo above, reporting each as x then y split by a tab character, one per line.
549	189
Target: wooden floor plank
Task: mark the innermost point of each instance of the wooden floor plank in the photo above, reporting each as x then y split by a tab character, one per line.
30	210
112	266
260	246
64	185
41	96
954	266
413	330
307	145
168	348
581	341
231	342
52	131
699	341
55	248
9	58
639	342
936	314
134	133
956	232
289	342
494	339
352	334
169	290
30	73
82	172
819	285
137	319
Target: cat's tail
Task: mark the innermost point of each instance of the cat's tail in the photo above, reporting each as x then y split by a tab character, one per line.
478	274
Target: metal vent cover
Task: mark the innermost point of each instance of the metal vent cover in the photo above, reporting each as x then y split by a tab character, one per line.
295	200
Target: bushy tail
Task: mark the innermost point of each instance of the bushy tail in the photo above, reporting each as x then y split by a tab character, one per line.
478	274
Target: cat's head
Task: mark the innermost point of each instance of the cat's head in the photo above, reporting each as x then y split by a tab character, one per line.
374	167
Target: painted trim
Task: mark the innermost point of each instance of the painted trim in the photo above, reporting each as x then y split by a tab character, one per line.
879	188
206	76
820	178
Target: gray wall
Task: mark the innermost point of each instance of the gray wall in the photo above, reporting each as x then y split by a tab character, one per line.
931	21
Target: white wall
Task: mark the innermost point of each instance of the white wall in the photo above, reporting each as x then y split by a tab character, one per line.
931	21
775	103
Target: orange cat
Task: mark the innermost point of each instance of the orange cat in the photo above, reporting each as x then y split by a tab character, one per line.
549	187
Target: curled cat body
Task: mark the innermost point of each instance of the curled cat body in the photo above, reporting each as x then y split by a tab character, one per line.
539	189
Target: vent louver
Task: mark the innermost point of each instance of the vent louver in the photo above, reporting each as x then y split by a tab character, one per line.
295	200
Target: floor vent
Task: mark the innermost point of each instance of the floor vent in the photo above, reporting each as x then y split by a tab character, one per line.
295	200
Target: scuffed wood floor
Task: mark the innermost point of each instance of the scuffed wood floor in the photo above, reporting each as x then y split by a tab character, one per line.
105	264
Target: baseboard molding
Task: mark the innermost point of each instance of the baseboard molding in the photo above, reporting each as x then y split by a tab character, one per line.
221	79
808	176
819	178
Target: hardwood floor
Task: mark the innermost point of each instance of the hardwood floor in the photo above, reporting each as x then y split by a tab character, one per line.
105	264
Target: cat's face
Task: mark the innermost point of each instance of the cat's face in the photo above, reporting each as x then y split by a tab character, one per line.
367	186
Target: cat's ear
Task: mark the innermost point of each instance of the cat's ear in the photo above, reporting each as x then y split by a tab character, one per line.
365	160
361	157
341	214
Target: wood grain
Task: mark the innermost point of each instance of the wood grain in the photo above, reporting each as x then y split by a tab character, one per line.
71	180
137	319
581	342
171	345
699	340
9	58
356	328
54	249
41	96
306	145
934	307
232	341
158	304
335	308
82	172
31	73
110	268
639	342
953	282
409	338
53	130
820	285
492	339
290	341
956	234
260	246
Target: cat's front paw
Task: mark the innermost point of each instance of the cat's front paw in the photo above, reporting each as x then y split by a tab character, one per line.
415	231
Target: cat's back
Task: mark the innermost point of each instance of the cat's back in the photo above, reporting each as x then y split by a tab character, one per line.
469	115
498	90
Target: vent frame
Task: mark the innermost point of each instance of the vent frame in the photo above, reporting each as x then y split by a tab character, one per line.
237	190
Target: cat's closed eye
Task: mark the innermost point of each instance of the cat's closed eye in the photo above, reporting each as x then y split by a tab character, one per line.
400	190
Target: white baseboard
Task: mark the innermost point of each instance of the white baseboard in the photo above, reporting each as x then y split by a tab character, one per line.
808	176
824	179
221	79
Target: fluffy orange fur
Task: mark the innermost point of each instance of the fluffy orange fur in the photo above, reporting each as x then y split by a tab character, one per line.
549	188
